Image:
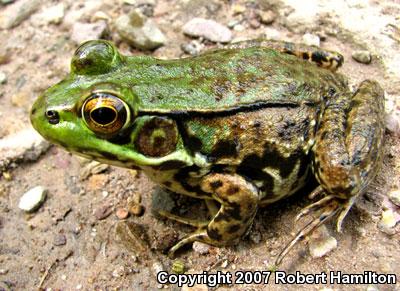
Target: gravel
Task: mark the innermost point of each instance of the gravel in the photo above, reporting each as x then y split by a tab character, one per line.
363	57
207	28
139	31
32	199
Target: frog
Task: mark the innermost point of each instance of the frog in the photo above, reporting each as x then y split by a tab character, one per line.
238	127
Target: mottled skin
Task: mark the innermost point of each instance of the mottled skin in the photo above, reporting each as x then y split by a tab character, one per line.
241	126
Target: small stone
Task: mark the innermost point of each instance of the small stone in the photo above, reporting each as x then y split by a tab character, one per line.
394	196
321	242
5	55
224	264
393	122
192	48
32	199
60	240
363	57
209	29
267	17
238	9
52	15
272	34
16	13
311	39
372	288
135	209
3	271
254	23
201	248
255	236
100	15
239	27
92	168
3	78
103	212
122	213
118	272
157	268
82	32
178	267
140	2
139	31
388	219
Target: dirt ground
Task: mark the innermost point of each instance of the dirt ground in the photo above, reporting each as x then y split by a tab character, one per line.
75	241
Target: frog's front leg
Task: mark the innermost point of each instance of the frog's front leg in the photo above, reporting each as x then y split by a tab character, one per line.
347	154
239	202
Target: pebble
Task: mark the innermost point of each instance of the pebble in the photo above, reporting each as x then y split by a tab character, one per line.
118	272
86	31
103	212
267	17
272	34
157	268
255	236
311	39
321	242
32	199
388	219
207	28
178	267
60	240
362	56
140	2
122	213
393	122
372	288
3	78
16	13
201	248
3	271
394	196
52	15
92	168
135	209
238	9
139	31
20	99
192	48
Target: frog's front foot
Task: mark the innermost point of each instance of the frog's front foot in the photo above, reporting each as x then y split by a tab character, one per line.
239	202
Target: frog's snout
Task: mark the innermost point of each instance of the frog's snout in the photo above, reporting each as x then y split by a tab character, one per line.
52	116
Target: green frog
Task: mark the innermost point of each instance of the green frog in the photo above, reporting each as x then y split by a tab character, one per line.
239	127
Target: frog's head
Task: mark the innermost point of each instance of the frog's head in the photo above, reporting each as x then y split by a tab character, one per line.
94	113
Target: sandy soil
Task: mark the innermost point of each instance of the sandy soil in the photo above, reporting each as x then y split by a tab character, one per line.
65	246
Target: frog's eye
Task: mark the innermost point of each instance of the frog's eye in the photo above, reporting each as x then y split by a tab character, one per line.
105	114
95	57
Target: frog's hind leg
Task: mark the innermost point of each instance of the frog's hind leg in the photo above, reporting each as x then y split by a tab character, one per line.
323	58
239	201
347	154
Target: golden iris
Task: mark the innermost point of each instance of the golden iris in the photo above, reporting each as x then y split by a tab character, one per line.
104	113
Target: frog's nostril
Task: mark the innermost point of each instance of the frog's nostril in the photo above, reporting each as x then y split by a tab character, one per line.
52	116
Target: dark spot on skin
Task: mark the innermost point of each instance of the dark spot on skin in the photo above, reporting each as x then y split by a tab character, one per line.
33	110
234	228
170	165
215	185
233	211
319	57
183	176
323	135
214	234
257	124
222	217
225	148
232	190
305	56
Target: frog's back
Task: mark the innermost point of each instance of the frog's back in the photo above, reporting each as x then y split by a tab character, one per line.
226	79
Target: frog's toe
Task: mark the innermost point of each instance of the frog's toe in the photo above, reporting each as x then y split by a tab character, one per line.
324	210
193	222
199	235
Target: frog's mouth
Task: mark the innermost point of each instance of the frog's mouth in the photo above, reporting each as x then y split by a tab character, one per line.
61	126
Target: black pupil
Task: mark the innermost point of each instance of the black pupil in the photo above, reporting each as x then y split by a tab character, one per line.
103	115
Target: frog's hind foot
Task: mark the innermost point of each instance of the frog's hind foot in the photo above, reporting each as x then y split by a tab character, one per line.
323	58
325	209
